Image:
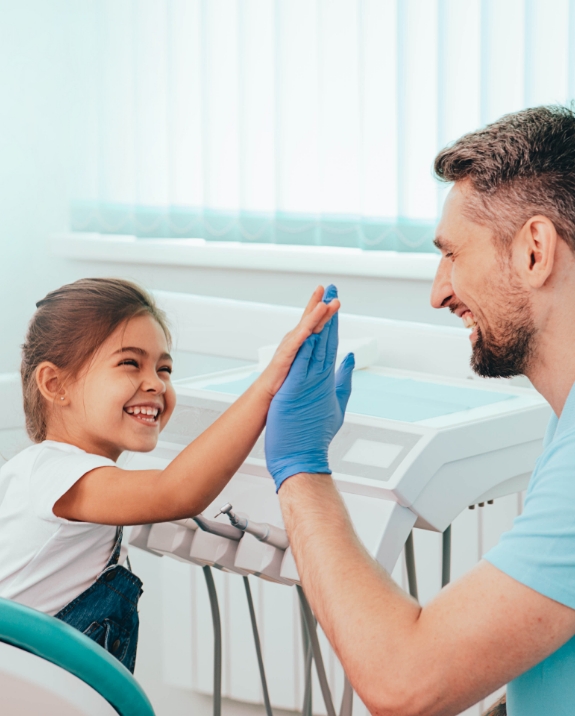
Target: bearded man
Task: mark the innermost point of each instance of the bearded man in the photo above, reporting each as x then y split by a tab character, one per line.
507	268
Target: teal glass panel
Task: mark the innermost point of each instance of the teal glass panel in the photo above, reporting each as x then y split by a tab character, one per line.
411	400
404	399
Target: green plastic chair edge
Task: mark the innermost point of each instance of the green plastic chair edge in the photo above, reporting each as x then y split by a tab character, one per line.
66	647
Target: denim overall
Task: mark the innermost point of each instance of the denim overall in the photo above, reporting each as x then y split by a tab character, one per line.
107	611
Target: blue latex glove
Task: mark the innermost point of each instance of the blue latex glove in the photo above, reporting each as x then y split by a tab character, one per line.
308	409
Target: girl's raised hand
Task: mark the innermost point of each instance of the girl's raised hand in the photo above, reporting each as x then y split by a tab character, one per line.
321	307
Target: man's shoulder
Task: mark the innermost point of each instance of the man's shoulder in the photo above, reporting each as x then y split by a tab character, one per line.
561	451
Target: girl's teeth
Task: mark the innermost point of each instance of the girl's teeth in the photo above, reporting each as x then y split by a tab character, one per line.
143	410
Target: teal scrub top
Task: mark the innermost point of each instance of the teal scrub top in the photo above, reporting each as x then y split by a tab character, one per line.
539	551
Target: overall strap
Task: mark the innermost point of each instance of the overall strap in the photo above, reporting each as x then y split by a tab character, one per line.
115	556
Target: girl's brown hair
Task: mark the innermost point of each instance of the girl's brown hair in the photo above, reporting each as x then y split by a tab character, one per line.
69	326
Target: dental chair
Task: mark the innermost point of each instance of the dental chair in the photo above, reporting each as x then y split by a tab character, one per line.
50	668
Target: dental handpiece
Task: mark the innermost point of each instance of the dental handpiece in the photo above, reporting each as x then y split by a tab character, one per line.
270	534
217	528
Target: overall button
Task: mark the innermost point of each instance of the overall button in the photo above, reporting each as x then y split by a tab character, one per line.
116	646
110	575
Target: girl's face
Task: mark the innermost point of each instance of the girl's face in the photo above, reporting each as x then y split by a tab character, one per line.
123	398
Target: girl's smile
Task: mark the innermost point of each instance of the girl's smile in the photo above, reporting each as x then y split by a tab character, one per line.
128	387
145	413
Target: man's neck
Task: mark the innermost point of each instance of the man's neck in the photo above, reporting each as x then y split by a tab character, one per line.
553	368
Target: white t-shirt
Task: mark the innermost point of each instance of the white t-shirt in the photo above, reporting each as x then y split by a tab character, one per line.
46	561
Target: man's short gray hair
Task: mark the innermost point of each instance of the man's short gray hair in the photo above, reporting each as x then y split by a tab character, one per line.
518	167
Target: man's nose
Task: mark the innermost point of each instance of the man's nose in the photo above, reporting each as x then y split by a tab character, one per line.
442	291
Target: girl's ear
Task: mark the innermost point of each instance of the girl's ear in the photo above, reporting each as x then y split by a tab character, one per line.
50	383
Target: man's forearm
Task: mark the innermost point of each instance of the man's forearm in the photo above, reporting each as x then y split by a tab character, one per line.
338	575
400	658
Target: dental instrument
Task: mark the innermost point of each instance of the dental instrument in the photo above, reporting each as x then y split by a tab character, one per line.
261	531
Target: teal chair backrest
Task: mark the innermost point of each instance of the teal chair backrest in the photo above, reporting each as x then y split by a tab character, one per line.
66	647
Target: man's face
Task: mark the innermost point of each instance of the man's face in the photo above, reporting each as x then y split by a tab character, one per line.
476	281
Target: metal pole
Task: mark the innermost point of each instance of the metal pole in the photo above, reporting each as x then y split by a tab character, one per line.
319	665
346	707
410	565
217	640
307	696
257	642
446	557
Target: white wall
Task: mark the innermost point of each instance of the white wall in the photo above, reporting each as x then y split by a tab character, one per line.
47	98
44	47
47	128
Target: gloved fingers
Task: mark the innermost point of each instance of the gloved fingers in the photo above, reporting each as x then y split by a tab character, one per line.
330	293
300	365
331	300
332	344
319	354
332	308
315	320
343	381
313	317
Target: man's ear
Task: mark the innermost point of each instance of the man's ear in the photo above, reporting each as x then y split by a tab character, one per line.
49	380
537	242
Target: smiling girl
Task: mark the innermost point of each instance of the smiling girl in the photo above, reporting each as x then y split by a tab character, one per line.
96	373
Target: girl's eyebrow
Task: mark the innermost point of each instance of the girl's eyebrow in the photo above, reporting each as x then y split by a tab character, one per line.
141	352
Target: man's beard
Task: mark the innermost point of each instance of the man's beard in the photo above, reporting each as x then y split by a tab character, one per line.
508	350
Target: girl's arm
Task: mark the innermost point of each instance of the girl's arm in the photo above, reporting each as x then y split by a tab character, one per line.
110	495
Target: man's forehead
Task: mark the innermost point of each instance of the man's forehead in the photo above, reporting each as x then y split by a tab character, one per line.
454	226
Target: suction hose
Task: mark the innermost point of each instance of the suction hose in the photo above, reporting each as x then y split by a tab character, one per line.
217	639
316	651
258	645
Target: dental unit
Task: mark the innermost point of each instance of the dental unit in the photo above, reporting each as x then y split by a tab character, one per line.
422	441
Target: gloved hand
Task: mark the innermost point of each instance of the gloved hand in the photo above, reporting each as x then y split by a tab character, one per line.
308	410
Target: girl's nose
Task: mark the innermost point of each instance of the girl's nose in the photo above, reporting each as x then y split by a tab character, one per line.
152	383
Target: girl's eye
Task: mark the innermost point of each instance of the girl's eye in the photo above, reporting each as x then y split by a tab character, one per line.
166	369
129	361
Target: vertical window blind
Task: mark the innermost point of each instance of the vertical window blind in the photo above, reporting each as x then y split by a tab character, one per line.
303	121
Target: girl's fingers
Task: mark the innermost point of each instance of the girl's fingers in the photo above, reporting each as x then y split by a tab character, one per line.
316	298
310	324
332	342
332	308
316	316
